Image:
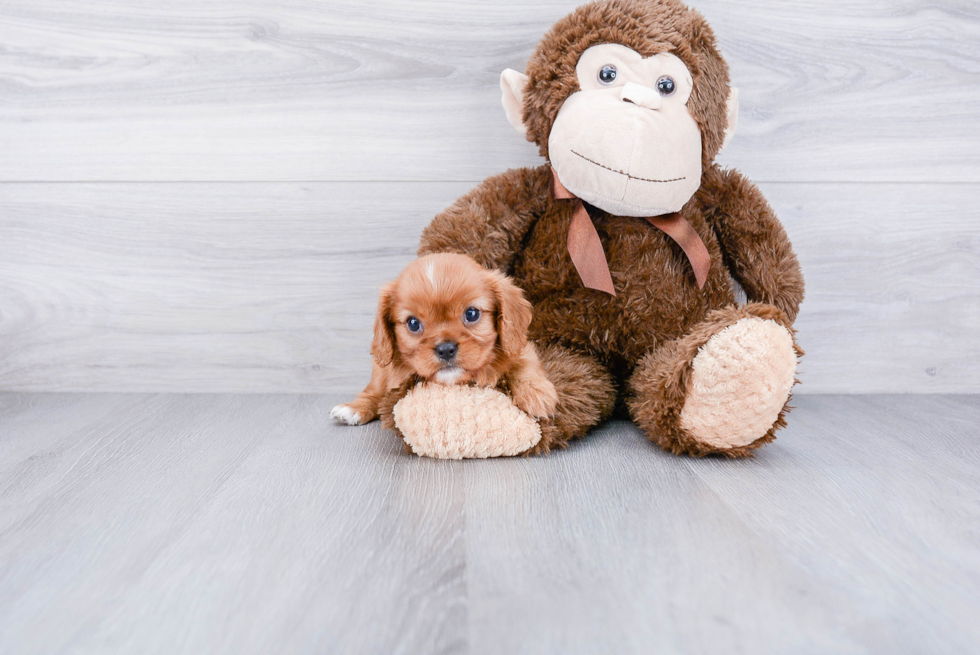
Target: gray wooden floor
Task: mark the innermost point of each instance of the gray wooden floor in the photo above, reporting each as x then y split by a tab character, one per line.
252	524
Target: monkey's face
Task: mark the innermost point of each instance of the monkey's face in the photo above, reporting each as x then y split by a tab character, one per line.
626	142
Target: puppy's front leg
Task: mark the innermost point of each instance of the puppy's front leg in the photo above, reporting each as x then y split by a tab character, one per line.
533	392
364	408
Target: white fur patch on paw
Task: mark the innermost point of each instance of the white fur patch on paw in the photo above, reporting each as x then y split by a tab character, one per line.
740	381
345	414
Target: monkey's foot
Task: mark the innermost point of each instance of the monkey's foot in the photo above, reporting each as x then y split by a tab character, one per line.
722	388
463	422
740	381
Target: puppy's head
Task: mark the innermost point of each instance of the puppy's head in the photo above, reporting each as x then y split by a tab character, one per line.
450	320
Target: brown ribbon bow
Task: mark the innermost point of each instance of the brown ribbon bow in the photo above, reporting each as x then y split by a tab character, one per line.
586	252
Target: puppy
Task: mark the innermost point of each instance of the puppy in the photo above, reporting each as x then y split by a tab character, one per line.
448	320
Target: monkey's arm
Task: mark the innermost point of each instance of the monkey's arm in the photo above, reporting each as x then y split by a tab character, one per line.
489	222
755	246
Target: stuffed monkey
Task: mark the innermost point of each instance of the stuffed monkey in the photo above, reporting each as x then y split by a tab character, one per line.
628	239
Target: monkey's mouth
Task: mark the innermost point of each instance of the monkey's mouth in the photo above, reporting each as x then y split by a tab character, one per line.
632	177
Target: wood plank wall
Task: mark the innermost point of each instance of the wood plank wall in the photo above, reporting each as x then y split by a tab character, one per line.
206	196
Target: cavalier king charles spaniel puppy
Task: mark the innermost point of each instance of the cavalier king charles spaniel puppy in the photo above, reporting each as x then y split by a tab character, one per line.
448	320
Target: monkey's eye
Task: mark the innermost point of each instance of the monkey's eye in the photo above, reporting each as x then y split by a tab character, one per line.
471	315
666	85
607	74
413	324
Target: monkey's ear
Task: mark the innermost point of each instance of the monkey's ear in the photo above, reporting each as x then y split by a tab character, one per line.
512	86
383	344
732	116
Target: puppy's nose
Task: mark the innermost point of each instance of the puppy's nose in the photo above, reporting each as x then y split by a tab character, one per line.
446	350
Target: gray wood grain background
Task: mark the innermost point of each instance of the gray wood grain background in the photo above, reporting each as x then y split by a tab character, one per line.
206	196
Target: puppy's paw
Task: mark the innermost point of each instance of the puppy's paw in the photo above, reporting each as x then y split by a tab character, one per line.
537	398
346	414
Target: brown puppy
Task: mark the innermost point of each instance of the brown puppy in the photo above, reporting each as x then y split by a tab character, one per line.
448	320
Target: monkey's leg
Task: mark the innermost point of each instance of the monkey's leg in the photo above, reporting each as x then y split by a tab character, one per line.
586	396
723	388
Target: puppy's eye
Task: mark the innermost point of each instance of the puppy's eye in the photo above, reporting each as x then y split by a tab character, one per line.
413	324
666	85
471	315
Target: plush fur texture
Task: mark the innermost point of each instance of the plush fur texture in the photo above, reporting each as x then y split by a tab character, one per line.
645	339
739	379
463	422
662	382
450	300
586	396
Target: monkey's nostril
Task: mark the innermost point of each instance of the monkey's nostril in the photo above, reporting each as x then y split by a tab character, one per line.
641	96
446	350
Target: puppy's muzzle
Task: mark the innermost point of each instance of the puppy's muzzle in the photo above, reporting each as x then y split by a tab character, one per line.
446	351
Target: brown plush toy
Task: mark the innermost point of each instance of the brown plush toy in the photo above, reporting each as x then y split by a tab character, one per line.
628	239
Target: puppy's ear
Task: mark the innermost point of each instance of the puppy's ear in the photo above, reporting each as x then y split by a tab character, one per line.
513	314
383	344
